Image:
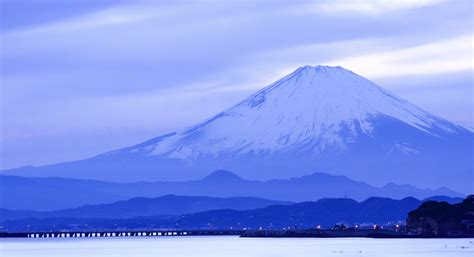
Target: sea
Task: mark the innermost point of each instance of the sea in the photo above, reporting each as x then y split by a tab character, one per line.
220	246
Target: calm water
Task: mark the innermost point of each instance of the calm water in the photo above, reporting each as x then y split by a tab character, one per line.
234	246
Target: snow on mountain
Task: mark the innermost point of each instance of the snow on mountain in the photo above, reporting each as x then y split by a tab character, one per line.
306	109
316	119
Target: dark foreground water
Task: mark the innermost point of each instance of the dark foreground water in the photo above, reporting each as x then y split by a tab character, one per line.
219	246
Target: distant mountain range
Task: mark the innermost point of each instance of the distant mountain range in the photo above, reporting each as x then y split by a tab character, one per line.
49	194
141	206
324	212
316	119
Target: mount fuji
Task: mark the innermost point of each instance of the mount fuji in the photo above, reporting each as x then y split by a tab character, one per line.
316	119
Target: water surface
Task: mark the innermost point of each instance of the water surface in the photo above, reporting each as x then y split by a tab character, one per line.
218	246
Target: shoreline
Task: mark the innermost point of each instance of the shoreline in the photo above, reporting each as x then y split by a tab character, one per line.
359	233
385	234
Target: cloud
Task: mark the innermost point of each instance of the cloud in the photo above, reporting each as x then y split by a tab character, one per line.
445	56
110	16
368	7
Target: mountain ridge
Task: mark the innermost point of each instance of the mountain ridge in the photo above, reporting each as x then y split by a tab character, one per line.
325	212
26	193
165	205
315	119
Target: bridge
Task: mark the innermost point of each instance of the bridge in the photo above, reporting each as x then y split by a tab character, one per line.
88	234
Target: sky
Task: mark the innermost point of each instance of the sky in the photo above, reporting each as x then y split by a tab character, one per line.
82	77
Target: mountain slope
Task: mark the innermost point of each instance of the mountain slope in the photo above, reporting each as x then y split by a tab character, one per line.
317	119
325	212
305	111
141	206
49	194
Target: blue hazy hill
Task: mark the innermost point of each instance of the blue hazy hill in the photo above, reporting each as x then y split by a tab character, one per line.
48	194
325	212
141	206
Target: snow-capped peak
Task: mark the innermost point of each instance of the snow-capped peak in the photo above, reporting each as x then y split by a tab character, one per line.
315	107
